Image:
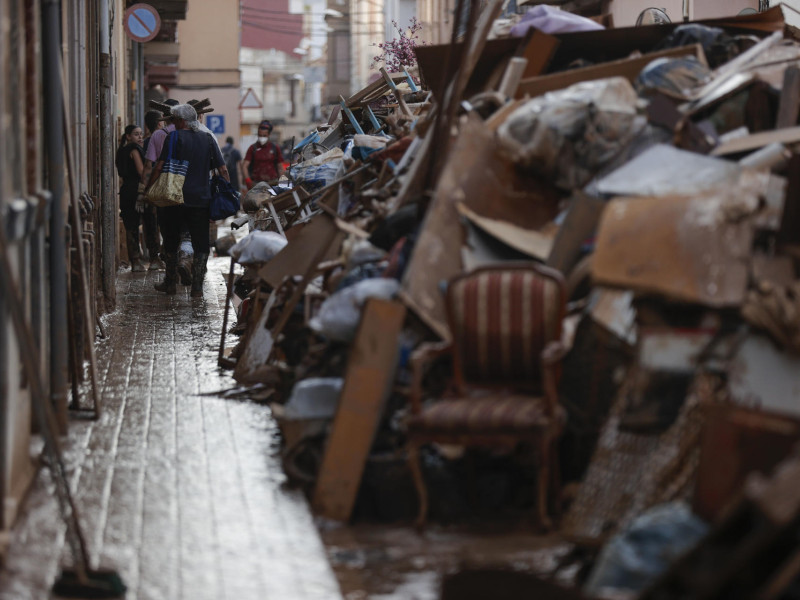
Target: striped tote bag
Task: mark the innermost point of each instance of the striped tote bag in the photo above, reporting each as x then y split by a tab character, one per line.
167	190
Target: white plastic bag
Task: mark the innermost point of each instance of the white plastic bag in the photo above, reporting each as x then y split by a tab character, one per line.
339	315
314	398
257	247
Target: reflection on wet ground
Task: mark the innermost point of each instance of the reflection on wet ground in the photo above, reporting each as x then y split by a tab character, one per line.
182	493
399	563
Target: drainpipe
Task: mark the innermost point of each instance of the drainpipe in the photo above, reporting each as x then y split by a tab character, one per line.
108	201
54	151
685	11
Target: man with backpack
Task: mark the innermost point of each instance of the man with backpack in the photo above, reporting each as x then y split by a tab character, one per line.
265	157
233	160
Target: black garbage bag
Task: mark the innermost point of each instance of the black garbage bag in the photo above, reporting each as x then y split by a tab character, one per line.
718	46
674	77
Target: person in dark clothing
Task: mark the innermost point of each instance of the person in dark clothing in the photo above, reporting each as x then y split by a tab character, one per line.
196	147
130	163
233	160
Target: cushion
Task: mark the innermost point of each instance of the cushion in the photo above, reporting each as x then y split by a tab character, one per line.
509	414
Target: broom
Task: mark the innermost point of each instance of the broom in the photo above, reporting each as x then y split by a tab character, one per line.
80	581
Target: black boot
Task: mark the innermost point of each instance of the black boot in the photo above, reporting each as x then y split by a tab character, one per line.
198	274
170	281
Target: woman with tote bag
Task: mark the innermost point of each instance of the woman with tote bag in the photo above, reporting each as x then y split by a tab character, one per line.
188	153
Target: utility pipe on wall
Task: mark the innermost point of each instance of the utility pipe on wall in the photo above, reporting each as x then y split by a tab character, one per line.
54	151
108	201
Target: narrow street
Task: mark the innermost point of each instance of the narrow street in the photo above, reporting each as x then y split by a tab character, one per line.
179	491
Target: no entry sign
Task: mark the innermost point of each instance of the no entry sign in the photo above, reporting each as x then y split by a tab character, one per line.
142	22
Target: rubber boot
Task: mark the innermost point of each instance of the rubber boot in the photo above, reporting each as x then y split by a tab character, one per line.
169	285
198	274
134	254
185	268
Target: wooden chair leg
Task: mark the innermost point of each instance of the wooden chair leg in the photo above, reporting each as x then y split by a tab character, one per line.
555	479
419	483
543	485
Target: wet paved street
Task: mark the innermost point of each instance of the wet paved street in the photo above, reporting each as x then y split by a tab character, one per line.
182	493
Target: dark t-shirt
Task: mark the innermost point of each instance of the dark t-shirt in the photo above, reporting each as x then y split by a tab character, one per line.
126	167
232	159
203	154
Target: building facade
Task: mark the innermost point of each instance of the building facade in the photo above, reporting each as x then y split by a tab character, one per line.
208	62
625	12
71	79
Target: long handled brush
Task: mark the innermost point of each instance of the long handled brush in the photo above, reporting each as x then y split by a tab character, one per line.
80	581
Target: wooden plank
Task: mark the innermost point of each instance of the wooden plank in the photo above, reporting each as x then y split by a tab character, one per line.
789	107
789	135
539	52
789	232
628	68
370	374
299	253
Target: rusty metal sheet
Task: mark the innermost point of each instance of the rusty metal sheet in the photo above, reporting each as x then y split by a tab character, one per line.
665	170
688	249
760	374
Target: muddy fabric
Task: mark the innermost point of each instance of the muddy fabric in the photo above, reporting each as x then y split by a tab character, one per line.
776	310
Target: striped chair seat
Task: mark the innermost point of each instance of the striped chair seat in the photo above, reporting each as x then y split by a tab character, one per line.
486	415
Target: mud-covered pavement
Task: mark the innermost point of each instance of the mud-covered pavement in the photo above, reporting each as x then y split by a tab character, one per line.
181	492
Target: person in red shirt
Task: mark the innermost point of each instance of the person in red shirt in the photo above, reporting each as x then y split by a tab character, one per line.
265	157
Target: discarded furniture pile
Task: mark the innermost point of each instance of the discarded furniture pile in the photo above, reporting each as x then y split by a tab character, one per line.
578	250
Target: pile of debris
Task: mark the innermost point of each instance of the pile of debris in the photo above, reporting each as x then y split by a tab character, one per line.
619	207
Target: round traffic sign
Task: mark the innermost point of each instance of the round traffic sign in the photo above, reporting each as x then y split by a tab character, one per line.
142	22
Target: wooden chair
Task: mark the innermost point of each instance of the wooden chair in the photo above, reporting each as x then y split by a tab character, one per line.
506	353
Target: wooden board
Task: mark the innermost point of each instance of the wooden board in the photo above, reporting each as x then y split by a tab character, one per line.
297	255
579	225
789	135
370	373
789	106
628	68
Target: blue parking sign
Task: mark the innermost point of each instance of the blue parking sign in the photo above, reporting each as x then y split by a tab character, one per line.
216	123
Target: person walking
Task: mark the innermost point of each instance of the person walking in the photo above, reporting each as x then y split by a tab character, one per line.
196	147
152	123
265	157
233	160
152	152
130	164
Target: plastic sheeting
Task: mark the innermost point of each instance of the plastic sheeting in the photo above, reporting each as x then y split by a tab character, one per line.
569	135
339	315
549	19
257	247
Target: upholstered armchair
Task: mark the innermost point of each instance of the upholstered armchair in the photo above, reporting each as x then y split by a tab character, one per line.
506	353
